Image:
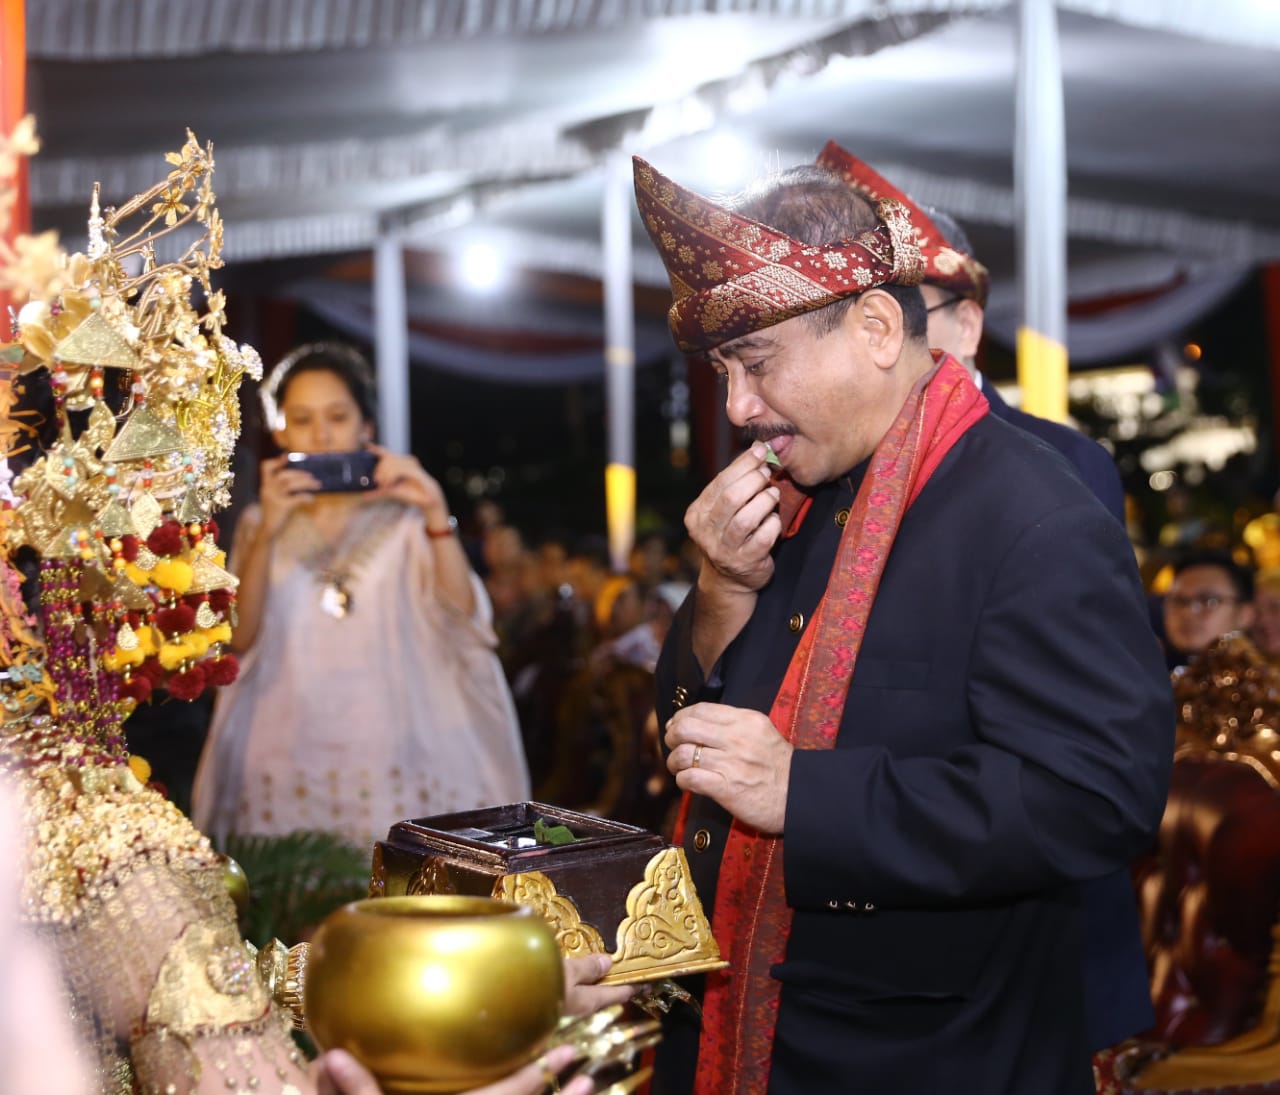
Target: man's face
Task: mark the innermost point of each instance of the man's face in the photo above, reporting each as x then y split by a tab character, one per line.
955	323
1201	606
819	400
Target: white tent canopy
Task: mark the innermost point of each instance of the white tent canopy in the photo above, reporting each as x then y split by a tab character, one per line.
452	121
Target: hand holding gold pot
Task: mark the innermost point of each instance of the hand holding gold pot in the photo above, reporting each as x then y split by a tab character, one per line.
434	993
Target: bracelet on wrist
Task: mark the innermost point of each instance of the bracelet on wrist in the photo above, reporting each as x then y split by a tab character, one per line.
442	533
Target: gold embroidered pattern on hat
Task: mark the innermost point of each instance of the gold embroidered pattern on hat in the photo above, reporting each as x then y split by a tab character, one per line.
731	275
944	266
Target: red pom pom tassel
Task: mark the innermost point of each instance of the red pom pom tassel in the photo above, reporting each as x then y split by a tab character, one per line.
152	670
129	548
224	670
137	689
220	599
166	539
175	620
188	685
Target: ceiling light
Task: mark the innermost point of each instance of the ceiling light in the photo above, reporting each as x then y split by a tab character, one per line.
481	267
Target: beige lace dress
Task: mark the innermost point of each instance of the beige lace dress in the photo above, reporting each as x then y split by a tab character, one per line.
366	699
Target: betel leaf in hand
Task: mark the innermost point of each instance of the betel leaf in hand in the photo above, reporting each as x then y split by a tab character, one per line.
771	457
552	834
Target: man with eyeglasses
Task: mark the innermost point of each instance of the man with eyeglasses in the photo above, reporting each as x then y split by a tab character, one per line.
1117	986
955	291
1211	596
914	697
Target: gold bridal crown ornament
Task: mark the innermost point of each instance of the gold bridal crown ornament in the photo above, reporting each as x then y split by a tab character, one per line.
132	453
118	397
119	409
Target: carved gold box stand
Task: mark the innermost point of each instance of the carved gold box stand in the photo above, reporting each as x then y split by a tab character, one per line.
617	889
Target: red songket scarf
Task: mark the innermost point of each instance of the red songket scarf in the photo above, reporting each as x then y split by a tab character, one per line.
752	919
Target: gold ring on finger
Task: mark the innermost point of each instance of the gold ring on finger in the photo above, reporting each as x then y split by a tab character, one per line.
697	755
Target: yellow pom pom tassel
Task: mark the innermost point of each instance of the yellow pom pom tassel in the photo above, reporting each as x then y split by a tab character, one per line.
198	641
137	576
121	658
172	574
147	641
172	655
139	767
219	634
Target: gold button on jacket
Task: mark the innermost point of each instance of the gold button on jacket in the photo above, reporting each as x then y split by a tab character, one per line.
702	840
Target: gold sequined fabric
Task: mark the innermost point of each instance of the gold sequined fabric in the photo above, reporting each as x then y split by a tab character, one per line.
92	827
133	900
209	1019
208	955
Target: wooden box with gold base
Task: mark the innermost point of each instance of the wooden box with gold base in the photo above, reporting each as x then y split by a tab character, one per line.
615	889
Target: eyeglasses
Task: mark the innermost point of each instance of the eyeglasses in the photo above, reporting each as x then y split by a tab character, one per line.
943	304
1200	602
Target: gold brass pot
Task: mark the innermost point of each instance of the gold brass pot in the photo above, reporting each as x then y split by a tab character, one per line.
434	993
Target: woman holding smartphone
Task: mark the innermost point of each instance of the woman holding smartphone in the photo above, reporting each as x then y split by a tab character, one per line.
369	690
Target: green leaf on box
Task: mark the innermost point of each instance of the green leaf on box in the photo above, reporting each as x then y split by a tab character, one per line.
552	834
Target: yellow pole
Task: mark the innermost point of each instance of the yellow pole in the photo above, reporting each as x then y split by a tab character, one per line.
620	511
1042	375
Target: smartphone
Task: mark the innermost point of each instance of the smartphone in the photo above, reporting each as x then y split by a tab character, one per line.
337	472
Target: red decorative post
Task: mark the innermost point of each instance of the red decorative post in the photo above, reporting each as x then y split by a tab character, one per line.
13	99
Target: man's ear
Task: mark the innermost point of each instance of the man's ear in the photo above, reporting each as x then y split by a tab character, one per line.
879	320
968	317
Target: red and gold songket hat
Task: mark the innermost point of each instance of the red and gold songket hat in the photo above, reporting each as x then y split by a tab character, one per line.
731	275
944	265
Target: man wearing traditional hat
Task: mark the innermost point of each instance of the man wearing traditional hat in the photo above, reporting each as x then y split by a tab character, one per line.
955	286
919	650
